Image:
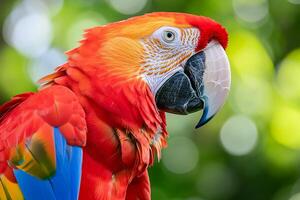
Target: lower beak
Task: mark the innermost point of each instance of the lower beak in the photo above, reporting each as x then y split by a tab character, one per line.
203	83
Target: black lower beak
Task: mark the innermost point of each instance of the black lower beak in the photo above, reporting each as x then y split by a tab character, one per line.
180	94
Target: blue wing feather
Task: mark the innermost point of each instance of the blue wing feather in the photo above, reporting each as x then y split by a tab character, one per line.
64	184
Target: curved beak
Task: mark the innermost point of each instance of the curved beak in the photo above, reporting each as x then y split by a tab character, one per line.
203	83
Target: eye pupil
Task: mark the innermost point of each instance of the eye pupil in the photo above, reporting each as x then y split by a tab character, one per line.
169	35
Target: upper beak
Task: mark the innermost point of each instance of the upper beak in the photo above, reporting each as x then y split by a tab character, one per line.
203	83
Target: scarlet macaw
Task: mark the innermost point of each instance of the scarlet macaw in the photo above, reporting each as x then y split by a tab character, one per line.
96	123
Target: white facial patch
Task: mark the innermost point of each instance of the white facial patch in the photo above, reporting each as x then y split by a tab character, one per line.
166	52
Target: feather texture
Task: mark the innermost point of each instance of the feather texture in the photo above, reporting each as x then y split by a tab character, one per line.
9	190
36	156
37	131
65	182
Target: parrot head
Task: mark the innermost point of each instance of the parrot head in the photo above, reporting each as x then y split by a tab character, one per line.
180	57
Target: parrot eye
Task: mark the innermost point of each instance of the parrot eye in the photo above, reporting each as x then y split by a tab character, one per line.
169	36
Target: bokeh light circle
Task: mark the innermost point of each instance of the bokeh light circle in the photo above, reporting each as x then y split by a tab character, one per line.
288	77
238	135
245	102
295	197
30	34
285	127
181	156
128	7
253	11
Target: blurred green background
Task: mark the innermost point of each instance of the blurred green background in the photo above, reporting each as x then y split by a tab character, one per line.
250	150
